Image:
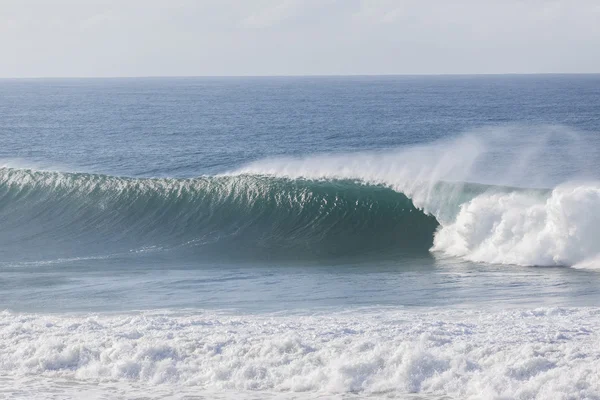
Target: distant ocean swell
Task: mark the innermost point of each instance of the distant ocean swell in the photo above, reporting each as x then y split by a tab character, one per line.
255	215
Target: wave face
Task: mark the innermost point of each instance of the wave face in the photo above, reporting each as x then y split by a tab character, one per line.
369	204
54	214
482	223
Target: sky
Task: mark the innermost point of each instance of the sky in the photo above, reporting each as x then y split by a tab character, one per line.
106	38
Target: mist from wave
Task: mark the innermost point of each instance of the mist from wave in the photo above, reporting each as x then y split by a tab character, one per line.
364	204
528	214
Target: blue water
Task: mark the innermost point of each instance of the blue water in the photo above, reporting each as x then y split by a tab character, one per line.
324	237
128	244
190	126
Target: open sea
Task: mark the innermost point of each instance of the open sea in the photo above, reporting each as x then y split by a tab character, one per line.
399	237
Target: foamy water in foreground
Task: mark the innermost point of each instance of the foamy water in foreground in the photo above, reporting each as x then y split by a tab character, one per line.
521	354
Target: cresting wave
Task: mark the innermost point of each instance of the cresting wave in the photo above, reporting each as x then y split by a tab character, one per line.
484	223
369	204
257	214
246	216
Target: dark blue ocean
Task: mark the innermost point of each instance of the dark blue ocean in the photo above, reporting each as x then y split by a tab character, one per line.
300	237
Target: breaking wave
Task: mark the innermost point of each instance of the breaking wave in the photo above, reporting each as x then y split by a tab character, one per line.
227	216
370	204
498	223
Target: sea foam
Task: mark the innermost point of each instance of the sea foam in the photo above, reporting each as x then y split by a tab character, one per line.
525	217
519	354
527	229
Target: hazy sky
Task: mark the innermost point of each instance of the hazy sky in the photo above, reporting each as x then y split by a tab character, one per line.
296	37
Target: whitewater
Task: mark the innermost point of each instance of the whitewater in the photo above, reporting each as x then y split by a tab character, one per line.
300	238
307	206
493	224
313	204
312	208
537	354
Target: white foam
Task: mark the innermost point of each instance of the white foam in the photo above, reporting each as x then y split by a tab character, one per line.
556	227
528	229
25	164
535	354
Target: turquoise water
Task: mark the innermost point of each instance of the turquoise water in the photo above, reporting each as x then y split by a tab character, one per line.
244	234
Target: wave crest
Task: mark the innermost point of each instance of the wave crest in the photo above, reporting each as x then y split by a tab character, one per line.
483	223
381	205
227	216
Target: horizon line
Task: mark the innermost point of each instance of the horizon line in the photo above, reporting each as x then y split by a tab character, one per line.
297	75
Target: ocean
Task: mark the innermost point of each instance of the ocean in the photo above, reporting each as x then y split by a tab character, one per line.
410	237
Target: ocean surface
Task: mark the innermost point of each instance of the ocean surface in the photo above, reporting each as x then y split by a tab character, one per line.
424	237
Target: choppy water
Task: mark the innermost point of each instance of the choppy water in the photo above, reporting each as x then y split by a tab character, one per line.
300	237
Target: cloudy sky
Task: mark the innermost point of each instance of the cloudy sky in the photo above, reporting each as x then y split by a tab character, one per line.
43	38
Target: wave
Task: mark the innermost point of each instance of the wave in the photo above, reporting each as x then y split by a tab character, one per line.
494	223
371	205
244	216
